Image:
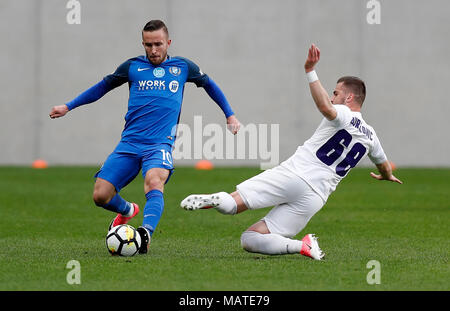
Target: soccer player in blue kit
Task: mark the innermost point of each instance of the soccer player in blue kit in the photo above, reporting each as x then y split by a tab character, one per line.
156	85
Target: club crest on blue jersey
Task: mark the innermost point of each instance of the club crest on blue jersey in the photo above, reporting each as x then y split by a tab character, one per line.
173	86
159	72
175	70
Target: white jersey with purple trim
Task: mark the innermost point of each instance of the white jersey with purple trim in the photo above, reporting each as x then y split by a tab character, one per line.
335	147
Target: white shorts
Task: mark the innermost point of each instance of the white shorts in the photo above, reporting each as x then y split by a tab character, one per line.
294	200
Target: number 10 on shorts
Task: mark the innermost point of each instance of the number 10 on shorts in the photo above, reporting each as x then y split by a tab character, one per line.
166	157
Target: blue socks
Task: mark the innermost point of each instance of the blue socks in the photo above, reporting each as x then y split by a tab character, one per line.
153	210
118	205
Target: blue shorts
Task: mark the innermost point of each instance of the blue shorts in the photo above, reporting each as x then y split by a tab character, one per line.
125	162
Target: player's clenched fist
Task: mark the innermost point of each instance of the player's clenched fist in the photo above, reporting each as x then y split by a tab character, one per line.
58	111
233	124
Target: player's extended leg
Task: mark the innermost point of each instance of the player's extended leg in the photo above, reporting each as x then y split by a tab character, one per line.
263	190
223	202
155	178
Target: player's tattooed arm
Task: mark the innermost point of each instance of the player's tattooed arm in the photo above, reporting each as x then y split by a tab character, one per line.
319	94
385	173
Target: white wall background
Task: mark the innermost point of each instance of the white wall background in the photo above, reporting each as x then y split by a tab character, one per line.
254	50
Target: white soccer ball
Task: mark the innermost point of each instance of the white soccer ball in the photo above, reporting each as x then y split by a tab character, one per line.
123	240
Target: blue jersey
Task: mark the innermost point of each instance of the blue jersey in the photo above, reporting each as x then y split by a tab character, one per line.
156	95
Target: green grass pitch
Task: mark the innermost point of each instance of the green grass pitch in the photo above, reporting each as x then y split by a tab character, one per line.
48	218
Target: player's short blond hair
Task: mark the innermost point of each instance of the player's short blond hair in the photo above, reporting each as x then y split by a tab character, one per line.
356	86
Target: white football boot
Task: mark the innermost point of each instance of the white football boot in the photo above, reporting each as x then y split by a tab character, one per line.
310	247
200	201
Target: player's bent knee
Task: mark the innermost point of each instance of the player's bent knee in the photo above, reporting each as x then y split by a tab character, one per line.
101	198
260	227
248	239
104	191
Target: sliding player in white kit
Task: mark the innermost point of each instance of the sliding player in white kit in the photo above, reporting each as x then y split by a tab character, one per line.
300	186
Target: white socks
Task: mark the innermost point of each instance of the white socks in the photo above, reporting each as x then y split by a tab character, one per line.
130	213
269	244
226	203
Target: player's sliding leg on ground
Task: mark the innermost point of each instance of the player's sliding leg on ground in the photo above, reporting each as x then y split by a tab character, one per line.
258	239
255	241
269	243
155	179
273	234
105	196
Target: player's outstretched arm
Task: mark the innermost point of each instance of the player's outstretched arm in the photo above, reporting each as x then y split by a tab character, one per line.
216	94
319	94
58	111
385	173
91	95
